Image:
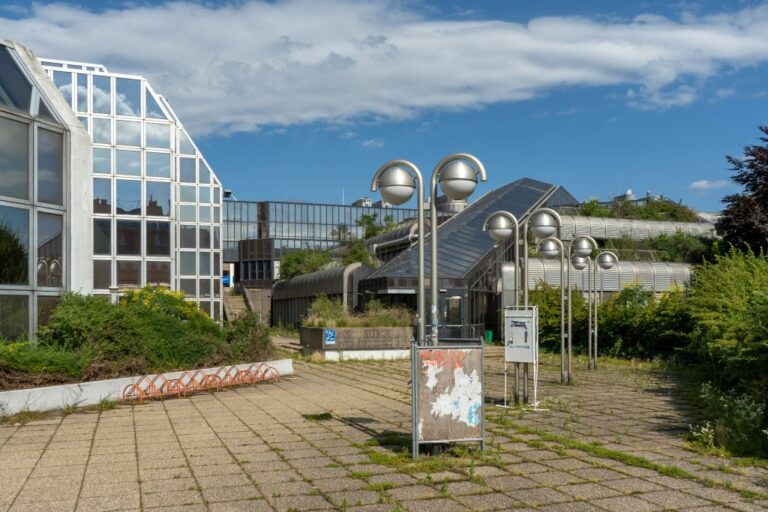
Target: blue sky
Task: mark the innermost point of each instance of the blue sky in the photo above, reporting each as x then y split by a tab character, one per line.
302	100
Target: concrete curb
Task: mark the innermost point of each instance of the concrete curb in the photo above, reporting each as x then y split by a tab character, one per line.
90	393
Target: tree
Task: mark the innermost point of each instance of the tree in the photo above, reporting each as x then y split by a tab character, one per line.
357	252
745	217
370	227
303	261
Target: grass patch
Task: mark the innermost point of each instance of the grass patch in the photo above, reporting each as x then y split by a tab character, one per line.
323	416
26	416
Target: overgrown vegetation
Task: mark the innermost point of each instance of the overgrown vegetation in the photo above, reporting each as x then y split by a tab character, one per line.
303	261
650	209
679	247
150	330
326	312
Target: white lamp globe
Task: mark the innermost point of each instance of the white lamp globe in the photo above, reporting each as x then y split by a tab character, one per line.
396	185
457	180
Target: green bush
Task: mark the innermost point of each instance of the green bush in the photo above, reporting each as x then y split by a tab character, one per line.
547	298
27	357
249	339
303	261
739	422
325	312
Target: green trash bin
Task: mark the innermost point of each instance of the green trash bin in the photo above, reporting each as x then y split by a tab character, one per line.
489	337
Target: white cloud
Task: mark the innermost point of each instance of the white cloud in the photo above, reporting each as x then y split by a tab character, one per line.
247	64
702	185
372	143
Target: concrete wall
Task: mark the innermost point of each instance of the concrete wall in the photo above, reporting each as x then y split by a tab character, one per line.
357	338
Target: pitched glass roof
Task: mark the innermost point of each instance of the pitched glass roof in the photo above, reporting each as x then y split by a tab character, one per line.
461	240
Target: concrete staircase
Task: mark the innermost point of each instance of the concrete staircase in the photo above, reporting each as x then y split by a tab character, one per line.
234	306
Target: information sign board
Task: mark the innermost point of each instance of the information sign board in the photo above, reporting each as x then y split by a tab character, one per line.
330	336
521	335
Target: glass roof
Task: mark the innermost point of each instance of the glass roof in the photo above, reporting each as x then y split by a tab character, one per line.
15	90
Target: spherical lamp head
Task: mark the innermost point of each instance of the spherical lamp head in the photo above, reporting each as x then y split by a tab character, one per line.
578	262
396	185
549	248
500	227
543	224
582	247
457	179
606	260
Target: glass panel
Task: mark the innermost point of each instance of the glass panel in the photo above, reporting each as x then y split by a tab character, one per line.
50	171
189	287
185	146
216	290
14	158
127	97
102	130
102	196
129	274
44	112
158	135
187	237
187	263
102	236
63	81
187	213
15	91
45	307
187	170
49	249
205	237
102	161
128	133
187	193
205	173
84	120
251	226
102	274
159	273
216	238
129	237
82	93
153	107
158	164
14	245
217	264
205	263
158	199
205	194
128	199
128	162
100	97
158	238
217	310
217	197
14	315
206	307
205	214
205	288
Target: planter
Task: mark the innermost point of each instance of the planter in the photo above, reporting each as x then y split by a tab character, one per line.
346	339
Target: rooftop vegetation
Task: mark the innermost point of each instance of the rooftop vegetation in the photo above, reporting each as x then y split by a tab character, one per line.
325	312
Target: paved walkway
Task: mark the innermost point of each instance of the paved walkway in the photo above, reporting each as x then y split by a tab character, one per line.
610	442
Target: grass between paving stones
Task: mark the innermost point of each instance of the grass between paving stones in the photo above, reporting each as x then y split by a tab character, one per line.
323	416
599	451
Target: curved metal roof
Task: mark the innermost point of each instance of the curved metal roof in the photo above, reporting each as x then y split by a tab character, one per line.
330	282
601	228
653	276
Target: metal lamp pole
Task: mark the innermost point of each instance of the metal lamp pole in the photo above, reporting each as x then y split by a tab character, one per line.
581	247
549	248
606	260
458	180
397	187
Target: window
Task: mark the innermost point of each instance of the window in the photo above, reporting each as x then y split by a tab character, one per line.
188	286
187	238
158	135
205	214
153	107
128	162
49	249
63	81
14	157
158	164
205	263
45	306
102	236
15	322
128	237
187	213
159	273
185	145
205	237
187	263
158	199
128	133
82	93
102	161
216	264
216	238
101	94
128	197
205	194
205	173
158	238
14	249
102	196
187	193
129	274
50	170
15	91
205	288
128	97
187	170
102	130
102	274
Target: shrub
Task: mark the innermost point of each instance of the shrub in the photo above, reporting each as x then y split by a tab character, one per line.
27	357
303	261
325	312
249	339
547	298
738	421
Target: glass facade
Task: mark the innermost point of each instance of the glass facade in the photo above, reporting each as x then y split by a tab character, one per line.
33	173
156	202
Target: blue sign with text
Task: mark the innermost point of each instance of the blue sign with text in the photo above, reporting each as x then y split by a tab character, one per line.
330	336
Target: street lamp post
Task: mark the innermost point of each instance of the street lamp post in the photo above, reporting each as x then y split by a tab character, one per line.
457	175
397	186
606	260
550	247
580	247
582	264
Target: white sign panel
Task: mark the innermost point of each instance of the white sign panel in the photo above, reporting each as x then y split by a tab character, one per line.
521	329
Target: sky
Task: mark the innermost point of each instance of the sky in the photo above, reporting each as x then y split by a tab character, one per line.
305	99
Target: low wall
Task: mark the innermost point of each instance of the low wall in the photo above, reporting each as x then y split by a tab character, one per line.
355	338
90	393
